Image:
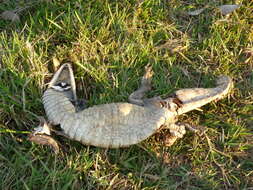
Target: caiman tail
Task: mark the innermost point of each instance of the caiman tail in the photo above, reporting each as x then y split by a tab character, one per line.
58	101
193	98
65	74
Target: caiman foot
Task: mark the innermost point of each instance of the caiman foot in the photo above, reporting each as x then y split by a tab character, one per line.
45	140
176	131
137	96
42	135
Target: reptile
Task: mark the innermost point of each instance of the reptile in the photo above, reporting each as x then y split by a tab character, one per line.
121	124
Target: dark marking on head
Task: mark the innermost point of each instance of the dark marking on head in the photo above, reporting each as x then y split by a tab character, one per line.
164	104
175	100
178	102
167	104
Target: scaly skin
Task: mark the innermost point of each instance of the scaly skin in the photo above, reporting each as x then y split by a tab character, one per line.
122	124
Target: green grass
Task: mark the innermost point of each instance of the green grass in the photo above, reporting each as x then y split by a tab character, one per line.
109	43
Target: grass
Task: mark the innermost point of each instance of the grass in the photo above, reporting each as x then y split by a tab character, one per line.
109	43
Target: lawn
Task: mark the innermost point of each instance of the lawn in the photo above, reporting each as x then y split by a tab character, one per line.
109	43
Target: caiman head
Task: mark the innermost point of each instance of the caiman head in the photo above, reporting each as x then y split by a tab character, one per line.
63	81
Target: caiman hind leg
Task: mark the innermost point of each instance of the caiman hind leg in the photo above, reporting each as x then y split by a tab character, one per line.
136	96
42	135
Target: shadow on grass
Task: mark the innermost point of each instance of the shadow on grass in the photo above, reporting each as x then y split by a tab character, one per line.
108	38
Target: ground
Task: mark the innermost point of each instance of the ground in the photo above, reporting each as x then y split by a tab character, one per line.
109	43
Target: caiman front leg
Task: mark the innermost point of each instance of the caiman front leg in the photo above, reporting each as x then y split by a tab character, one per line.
136	96
177	131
